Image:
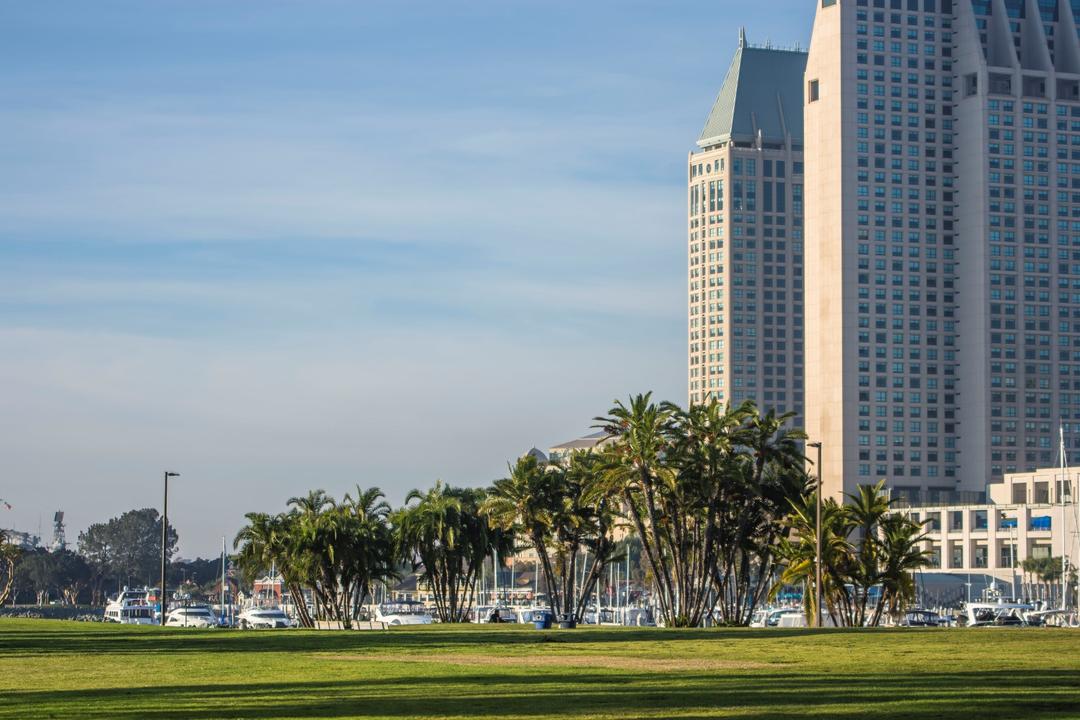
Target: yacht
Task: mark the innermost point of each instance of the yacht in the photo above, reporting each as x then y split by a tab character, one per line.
778	617
198	616
403	612
264	617
918	617
997	614
131	607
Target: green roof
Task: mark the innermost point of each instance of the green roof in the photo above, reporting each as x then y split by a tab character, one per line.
763	92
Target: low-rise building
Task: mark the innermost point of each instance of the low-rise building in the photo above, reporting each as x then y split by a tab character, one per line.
1027	515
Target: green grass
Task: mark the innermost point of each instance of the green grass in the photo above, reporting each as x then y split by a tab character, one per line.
66	669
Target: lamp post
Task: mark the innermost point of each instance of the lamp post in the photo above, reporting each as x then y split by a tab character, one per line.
164	542
817	544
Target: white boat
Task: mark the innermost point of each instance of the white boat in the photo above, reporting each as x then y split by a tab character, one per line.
198	616
264	618
403	612
778	617
131	607
997	614
919	617
485	613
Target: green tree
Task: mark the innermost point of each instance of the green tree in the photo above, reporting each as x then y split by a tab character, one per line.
444	532
267	542
522	503
9	556
332	552
864	545
648	488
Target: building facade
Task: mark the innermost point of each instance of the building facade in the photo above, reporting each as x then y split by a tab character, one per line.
745	236
1028	515
943	227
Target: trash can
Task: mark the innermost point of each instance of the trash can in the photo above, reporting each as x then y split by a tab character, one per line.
567	622
541	619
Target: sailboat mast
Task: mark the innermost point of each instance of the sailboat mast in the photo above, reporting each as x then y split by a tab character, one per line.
1061	502
222	574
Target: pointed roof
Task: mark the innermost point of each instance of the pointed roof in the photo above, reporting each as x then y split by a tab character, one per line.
538	454
762	92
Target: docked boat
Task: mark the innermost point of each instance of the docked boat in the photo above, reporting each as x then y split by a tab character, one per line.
131	607
998	614
918	617
257	618
779	617
403	612
197	616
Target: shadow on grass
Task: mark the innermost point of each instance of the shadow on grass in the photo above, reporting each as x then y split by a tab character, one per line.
44	637
500	693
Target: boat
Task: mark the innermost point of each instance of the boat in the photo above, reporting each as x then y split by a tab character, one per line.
403	612
199	616
918	617
488	614
997	614
131	606
264	618
778	617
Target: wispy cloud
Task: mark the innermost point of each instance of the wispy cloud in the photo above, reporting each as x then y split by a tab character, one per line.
289	245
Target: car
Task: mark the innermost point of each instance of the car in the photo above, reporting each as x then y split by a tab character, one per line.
256	618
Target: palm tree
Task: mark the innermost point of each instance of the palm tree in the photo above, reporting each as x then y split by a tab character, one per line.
370	553
636	472
866	508
267	541
712	492
9	555
444	533
900	543
800	555
523	503
592	518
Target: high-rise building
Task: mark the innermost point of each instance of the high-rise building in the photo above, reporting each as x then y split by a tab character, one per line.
943	234
745	236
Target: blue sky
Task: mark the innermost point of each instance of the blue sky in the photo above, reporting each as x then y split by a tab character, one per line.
284	245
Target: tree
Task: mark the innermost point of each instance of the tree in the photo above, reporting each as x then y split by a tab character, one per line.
445	533
265	542
9	556
863	545
522	503
35	571
901	554
71	574
96	546
1047	570
371	557
126	548
333	551
706	489
637	473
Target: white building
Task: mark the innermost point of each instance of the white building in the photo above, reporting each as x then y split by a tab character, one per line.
1024	518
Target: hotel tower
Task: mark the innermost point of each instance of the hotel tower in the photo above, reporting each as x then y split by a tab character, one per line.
942	231
745	235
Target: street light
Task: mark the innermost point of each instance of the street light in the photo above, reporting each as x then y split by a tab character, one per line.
817	545
164	541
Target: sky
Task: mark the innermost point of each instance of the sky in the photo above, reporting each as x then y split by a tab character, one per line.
277	246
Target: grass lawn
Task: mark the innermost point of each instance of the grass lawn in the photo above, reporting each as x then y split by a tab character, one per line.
67	669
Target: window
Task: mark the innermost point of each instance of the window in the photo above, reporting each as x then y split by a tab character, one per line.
813	92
